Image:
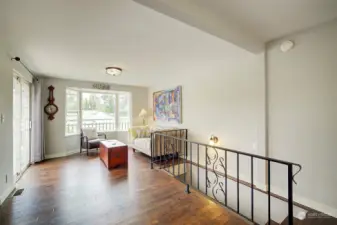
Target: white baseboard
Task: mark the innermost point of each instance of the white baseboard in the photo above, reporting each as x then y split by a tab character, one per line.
55	155
72	152
62	154
6	193
299	199
308	202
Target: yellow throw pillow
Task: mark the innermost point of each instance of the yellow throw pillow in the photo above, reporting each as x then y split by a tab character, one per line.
146	132
139	132
133	132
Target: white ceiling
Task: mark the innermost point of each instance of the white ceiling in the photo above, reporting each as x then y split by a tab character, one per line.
246	23
77	39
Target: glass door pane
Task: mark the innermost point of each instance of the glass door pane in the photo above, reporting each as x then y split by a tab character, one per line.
21	126
124	114
16	127
25	120
72	112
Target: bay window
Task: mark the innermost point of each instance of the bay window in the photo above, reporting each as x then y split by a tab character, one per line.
72	112
105	111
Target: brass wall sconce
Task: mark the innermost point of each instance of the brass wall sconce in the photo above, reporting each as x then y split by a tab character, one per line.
213	140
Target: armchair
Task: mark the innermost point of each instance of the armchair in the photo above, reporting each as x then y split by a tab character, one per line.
90	139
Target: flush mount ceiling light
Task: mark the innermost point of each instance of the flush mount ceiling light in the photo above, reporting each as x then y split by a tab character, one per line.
113	71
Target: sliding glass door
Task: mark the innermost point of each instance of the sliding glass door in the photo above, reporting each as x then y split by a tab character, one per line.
25	121
21	125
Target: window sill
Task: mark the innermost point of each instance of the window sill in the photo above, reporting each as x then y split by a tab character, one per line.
111	131
71	135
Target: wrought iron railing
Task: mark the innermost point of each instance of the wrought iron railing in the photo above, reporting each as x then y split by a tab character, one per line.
180	157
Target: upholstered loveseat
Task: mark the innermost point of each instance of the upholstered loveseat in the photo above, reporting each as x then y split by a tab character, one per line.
140	139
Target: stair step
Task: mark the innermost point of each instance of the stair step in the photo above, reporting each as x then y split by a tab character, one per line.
312	221
295	221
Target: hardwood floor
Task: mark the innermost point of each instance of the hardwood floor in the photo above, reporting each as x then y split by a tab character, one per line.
80	190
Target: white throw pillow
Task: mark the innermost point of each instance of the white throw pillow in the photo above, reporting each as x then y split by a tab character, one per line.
91	133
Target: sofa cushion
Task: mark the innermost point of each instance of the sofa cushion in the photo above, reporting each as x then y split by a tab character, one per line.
139	132
96	140
143	145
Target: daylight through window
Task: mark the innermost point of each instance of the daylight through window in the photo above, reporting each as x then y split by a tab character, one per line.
108	111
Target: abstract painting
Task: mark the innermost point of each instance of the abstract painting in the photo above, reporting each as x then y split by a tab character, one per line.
167	105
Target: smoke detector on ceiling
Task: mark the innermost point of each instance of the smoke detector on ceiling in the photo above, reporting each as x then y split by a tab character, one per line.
287	46
114	71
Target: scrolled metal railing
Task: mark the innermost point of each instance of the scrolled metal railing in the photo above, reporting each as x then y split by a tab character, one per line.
173	152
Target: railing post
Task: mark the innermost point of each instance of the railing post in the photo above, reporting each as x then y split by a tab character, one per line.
269	214
152	146
177	146
238	182
187	190
252	186
161	157
165	156
198	166
184	161
174	154
290	194
191	168
225	178
186	144
206	178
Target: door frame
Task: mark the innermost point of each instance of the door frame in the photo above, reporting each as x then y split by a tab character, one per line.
17	76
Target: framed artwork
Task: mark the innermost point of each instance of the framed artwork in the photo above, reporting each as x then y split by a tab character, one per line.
167	105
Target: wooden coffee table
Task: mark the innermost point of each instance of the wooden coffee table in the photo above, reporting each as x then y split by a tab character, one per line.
113	153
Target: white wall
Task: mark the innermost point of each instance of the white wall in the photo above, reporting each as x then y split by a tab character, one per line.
6	108
302	88
7	68
224	97
227	98
56	143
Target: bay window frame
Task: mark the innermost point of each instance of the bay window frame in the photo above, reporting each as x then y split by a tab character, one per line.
93	91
